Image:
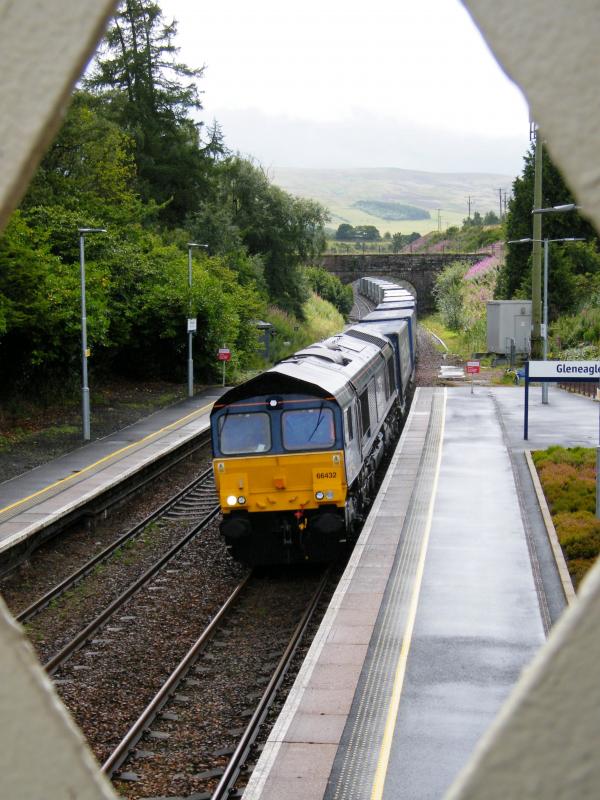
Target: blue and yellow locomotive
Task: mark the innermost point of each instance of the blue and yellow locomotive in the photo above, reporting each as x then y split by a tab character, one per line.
296	448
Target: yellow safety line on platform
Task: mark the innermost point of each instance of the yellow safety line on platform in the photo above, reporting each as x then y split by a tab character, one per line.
390	725
102	460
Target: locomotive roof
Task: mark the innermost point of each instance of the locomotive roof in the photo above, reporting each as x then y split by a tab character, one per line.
326	369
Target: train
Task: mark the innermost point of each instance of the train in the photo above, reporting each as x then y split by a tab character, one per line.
296	448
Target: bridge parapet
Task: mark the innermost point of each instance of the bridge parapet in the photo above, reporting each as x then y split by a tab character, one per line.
418	269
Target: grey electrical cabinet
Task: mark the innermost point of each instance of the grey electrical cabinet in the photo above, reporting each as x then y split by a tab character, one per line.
508	320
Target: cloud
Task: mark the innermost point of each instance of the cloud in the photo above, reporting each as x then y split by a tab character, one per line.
366	141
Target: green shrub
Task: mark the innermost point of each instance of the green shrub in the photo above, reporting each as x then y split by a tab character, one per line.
578	534
568	478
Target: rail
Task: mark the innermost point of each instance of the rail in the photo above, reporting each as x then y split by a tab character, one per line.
74	578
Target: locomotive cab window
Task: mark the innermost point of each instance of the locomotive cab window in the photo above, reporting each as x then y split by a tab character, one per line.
364	413
308	428
244	433
349	426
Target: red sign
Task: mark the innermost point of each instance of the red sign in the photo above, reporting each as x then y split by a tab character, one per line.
224	354
472	367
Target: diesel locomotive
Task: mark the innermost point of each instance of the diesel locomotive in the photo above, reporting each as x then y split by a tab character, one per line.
296	448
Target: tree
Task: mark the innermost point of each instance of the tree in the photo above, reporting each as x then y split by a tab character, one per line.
448	293
516	275
89	168
330	288
285	231
368	233
491	218
345	233
151	94
476	221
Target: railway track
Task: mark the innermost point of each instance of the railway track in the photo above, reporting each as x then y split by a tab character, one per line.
179	729
11	560
194	501
201	502
360	309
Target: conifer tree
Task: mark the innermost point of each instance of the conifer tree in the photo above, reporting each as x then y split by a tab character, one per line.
153	95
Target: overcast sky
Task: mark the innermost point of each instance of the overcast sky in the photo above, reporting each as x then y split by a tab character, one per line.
338	83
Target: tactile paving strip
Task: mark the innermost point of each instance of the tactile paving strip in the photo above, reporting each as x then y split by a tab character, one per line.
356	761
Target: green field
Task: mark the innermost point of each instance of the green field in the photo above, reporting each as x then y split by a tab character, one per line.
339	190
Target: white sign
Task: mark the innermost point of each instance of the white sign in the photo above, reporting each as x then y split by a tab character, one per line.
192	324
564	370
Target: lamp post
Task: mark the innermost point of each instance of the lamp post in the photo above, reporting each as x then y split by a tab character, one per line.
85	391
559	209
546	243
190	325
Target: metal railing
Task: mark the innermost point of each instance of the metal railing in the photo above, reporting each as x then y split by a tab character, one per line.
580	387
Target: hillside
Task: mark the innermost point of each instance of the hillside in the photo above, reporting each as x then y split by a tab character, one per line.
347	193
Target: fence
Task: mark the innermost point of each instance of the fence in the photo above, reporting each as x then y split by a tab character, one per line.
588	389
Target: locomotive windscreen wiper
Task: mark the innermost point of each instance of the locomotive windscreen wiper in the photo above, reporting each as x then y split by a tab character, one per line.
318	421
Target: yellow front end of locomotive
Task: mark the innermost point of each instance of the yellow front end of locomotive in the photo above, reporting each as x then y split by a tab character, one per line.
291	482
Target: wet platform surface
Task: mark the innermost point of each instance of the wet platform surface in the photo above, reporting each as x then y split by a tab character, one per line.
33	501
449	593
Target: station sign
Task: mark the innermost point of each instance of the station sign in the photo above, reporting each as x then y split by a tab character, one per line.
472	367
556	372
564	370
192	325
224	354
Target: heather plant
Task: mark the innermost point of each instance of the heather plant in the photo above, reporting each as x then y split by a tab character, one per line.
579	534
568	478
462	293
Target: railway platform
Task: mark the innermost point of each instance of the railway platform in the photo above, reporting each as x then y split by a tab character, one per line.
34	504
450	591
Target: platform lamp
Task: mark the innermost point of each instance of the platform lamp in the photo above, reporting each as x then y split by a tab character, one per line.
546	243
85	353
191	323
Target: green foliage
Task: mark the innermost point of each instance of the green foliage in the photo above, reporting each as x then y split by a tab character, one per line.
568	478
367	233
345	233
491	218
578	533
401	240
330	288
391	210
321	320
516	275
577	336
448	293
129	158
142	83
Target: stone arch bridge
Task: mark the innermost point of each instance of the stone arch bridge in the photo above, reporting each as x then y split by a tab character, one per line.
418	269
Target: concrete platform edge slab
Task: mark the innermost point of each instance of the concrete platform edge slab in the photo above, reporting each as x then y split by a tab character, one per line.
267	761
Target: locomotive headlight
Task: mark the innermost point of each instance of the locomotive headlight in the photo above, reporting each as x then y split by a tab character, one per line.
319	495
231	500
241	499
